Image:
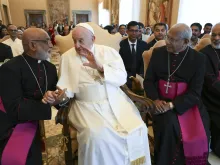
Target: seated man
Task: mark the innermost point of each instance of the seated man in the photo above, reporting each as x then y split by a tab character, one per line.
24	81
174	80
207	29
131	50
122	30
13	41
160	32
196	32
101	112
211	87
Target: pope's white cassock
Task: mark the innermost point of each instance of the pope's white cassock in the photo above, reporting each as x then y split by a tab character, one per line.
16	46
110	130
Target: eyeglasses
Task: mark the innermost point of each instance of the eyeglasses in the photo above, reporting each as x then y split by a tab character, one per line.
45	41
11	30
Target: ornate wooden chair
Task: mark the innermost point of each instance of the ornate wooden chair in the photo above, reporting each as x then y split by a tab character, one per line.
64	43
150	38
147	54
203	42
144	104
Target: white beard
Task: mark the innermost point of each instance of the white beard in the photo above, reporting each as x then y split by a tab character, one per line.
216	46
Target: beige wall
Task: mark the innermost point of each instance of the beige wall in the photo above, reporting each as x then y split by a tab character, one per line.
18	6
175	9
85	5
2	15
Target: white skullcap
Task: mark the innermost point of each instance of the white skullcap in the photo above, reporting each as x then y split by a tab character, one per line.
87	26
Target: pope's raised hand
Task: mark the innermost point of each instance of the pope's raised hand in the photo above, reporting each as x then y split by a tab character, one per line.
90	57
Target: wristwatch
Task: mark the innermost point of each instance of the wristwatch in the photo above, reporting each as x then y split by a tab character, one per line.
171	105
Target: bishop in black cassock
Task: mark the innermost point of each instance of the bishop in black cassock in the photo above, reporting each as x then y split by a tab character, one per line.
211	87
174	81
24	80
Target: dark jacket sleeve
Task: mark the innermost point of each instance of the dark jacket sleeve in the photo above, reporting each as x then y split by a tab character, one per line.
9	54
120	50
150	80
192	97
19	108
211	80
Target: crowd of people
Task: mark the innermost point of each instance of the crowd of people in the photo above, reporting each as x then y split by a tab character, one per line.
183	83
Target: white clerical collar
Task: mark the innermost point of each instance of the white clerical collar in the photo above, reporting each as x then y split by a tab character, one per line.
132	42
39	61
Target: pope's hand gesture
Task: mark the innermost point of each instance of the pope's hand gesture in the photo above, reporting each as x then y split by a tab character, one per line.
90	57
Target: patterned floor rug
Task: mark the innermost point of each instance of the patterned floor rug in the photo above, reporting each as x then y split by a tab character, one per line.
53	144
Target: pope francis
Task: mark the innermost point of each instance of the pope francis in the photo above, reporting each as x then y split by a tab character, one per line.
110	130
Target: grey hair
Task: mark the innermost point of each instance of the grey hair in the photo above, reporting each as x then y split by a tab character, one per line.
185	31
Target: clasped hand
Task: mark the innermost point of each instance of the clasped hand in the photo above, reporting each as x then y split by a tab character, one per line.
90	57
161	106
54	97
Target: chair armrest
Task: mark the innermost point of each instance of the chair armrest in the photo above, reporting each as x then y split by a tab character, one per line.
62	118
147	105
62	115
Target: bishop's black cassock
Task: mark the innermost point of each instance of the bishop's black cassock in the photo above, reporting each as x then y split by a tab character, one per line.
21	98
211	94
167	130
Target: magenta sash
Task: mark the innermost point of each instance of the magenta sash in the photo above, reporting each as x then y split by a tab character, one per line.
195	142
19	143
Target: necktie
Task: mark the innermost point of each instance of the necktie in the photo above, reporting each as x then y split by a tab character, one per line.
133	53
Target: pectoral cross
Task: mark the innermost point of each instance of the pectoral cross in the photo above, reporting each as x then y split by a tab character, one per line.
167	86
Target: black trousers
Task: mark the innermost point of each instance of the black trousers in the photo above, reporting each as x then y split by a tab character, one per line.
215	138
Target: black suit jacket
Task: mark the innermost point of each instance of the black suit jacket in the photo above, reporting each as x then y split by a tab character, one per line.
125	52
5	52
